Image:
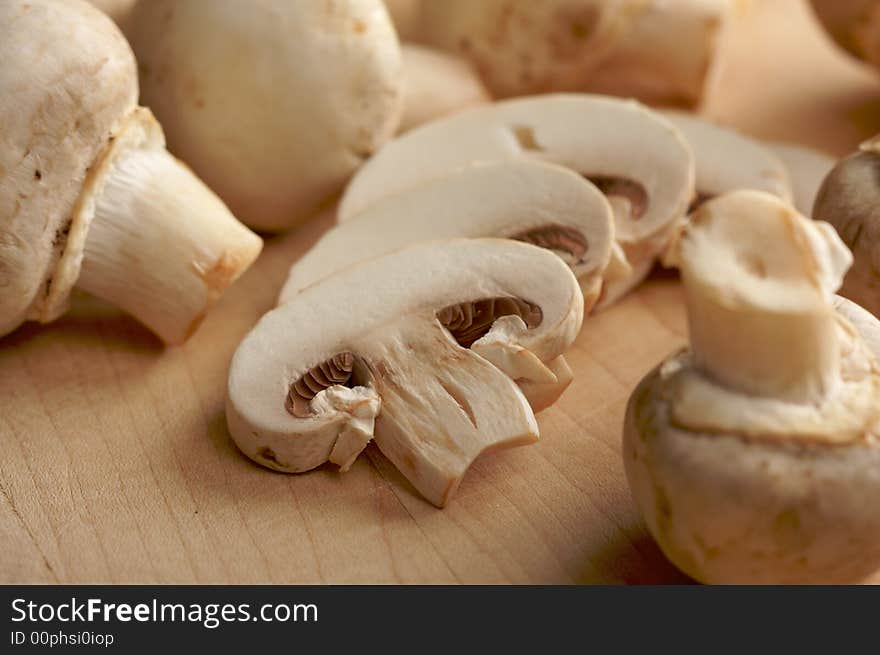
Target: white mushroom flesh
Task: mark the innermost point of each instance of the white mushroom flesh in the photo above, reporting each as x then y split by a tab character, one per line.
539	203
640	159
436	403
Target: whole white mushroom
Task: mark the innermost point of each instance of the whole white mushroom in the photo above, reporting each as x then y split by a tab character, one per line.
274	103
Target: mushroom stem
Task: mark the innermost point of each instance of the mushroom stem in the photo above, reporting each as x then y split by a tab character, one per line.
161	245
760	318
787	355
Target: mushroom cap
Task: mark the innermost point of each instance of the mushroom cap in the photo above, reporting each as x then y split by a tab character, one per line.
727	160
436	84
730	509
807	168
849	199
527	200
70	79
273	103
384	312
593	135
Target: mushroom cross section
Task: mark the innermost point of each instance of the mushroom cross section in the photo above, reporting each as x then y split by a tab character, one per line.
727	160
637	156
544	204
753	453
371	352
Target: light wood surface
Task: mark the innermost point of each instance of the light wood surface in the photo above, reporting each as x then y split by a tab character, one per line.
116	466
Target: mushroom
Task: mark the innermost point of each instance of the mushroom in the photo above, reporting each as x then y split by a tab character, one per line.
436	84
728	161
88	194
544	204
807	168
273	103
849	199
854	25
656	51
669	53
435	336
753	455
632	154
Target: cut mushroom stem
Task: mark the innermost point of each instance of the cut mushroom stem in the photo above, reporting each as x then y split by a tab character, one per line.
433	426
161	245
760	319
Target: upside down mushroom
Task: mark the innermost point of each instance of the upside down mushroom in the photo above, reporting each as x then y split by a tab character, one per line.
421	350
754	454
88	194
636	158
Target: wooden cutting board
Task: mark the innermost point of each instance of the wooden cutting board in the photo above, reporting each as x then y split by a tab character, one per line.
116	467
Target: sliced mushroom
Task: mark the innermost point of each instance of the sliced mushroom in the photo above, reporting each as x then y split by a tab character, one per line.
544	204
849	199
273	103
637	156
88	194
728	161
436	84
753	453
394	321
807	168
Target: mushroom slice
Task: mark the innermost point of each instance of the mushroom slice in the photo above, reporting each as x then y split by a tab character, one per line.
544	204
381	350
727	160
637	156
752	453
435	84
807	168
849	199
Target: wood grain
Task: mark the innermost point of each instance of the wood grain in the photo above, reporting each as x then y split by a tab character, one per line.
116	467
